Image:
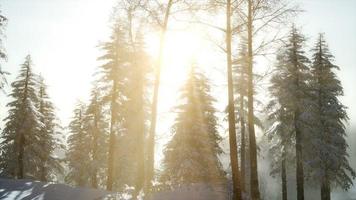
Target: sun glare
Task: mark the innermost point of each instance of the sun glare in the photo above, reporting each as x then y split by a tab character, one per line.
180	51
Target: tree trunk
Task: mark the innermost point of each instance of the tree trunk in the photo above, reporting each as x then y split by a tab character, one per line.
140	123
43	177
152	132
21	147
298	137
255	193
243	143
94	179
299	156
325	183
325	188
231	108
112	140
284	179
20	174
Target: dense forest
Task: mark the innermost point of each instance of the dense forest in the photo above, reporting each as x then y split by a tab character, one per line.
110	142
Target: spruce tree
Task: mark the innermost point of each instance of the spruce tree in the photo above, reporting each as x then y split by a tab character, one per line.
191	156
113	73
50	140
78	153
330	158
95	125
291	103
21	137
281	132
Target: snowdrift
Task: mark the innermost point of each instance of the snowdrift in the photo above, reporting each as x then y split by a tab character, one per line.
28	190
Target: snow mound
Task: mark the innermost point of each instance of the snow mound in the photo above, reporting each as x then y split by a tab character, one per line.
34	190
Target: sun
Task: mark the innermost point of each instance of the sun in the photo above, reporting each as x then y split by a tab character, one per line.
181	50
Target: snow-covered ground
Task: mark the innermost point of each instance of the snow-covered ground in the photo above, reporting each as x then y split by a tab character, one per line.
34	190
30	190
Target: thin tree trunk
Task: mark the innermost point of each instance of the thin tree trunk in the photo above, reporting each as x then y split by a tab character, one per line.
43	176
112	140
152	131
243	143
299	156
284	179
255	193
81	181
20	174
231	108
325	188
140	135
298	136
325	182
21	146
95	145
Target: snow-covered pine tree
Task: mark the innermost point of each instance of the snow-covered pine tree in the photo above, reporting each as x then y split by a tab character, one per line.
191	156
3	21
111	82
290	104
281	134
331	166
20	139
96	126
50	134
78	153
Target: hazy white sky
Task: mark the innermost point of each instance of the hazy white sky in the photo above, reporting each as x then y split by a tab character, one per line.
61	36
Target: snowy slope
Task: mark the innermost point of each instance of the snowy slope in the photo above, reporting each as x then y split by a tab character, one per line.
28	190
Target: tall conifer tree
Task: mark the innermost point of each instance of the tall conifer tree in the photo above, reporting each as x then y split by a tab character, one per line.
329	146
191	156
78	153
95	125
292	101
50	134
112	71
21	137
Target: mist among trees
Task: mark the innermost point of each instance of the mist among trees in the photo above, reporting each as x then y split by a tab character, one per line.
281	125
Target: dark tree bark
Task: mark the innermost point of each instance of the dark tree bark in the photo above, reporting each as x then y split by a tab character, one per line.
20	174
299	155
298	141
231	109
243	143
22	141
43	176
284	179
325	188
255	193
